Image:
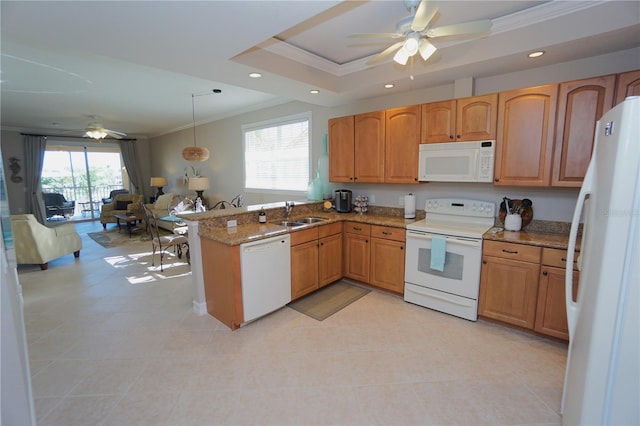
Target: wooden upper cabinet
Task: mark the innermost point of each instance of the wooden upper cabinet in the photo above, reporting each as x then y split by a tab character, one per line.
402	143
438	122
628	85
476	118
580	105
524	142
369	147
341	149
466	119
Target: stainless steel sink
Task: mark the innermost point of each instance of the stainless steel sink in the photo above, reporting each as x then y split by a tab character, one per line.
290	223
311	219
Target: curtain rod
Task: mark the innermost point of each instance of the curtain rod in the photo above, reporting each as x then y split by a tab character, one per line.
77	137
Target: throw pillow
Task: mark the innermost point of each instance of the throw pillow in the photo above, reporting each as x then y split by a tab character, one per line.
122	205
163	202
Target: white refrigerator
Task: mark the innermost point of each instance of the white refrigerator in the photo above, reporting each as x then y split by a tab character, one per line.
602	381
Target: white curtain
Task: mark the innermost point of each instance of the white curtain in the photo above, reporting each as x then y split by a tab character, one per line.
34	147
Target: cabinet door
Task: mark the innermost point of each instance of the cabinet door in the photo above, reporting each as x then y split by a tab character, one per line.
509	290
356	257
341	149
401	147
628	85
304	269
551	314
369	147
330	259
524	141
476	118
387	264
580	106
438	122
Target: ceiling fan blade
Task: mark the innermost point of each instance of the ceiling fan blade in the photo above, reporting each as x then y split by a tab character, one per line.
384	53
457	29
376	35
114	134
423	16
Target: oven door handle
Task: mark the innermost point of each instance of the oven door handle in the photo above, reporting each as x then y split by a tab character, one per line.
449	239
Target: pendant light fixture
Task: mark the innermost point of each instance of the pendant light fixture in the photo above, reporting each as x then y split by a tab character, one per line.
195	152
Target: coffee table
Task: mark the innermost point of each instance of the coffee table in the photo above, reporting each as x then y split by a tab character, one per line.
131	220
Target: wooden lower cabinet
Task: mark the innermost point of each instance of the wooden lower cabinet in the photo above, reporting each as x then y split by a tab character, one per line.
330	259
508	291
304	268
525	286
551	313
356	256
375	255
316	258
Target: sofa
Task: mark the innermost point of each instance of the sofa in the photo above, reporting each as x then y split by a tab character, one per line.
57	205
162	208
121	204
37	244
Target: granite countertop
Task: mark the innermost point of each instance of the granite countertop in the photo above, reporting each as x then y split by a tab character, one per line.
255	231
557	240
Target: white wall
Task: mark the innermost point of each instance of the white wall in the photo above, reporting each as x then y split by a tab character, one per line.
224	139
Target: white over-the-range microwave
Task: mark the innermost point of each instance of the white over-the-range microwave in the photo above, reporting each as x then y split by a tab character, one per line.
457	161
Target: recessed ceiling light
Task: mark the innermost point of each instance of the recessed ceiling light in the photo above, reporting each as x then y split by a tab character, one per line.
314	91
255	75
389	86
536	54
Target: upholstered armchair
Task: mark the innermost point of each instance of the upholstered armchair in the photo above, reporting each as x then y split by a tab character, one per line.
38	244
112	194
121	204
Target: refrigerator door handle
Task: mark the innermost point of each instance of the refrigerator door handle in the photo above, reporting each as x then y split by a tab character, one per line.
572	307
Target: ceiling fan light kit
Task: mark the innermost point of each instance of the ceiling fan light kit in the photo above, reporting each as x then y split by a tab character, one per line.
96	134
416	31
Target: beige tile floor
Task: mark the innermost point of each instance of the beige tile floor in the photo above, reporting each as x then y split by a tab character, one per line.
112	341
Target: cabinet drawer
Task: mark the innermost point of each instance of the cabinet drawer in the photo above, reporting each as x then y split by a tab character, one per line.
330	229
303	236
357	228
388	233
558	258
520	252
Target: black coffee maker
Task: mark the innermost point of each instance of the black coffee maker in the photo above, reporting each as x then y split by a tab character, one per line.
342	200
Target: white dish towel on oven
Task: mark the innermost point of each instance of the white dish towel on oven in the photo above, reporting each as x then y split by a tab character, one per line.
438	253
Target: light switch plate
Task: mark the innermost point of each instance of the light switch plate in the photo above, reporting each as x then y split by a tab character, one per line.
232	223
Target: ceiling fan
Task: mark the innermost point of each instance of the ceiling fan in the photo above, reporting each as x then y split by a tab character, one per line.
95	130
415	32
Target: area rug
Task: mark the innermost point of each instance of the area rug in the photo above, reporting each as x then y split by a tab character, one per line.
325	302
109	239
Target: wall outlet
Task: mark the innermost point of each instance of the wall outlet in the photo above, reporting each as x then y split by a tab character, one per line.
401	201
372	199
232	223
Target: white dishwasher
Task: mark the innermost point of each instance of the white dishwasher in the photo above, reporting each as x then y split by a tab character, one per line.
265	266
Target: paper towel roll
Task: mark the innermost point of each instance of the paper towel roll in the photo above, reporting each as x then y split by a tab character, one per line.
409	206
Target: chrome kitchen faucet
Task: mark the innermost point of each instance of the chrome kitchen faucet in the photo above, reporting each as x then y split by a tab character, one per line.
288	206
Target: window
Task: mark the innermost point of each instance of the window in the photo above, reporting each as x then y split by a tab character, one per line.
276	154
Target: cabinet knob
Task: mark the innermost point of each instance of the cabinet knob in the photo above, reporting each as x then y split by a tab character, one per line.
545	273
401	247
496	180
458	136
451	137
484	262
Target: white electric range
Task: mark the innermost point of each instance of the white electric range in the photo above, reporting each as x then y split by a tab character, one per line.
458	225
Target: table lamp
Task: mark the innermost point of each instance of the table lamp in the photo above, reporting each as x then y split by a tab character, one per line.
159	182
199	184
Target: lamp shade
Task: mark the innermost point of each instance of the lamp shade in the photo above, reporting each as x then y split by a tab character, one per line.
199	183
158	181
195	153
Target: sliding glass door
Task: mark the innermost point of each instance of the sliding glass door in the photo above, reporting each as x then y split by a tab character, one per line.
82	174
